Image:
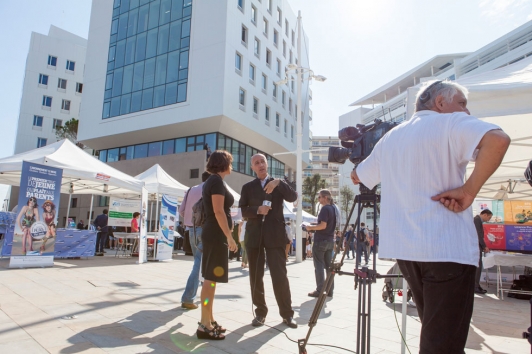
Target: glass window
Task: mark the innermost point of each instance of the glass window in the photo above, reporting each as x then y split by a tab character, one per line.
112	155
292	132
164	16
65	105
267	113
112	54
153	18
158	96
52	61
127	79
264	82
70	65
278	66
228	142
162	41
183	60
244	35
210	141
106	110
177	12
143	18
79	87
160	70
141	150
57	123
241	4
251	72
248	169
122	26
265	26
279	15
123	154
277	120
255	105
115	106
151	44
268	57
140	47
242	97
136	98
170	96
191	144
43	79
274	90
253	14
125	104
117	82
130	153
103	155
149	73
37	121
109	82
275	37
168	147
238	61
124	6
130	51
221	142
236	156
256	47
132	22
120	53
154	149
147	99
47	101
285	126
180	145
185	29
175	35
182	93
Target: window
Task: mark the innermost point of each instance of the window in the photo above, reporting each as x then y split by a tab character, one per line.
290	105
90	215
37	121
292	132
283	98
70	65
251	72
279	16
285	127
41	142
268	57
238	62
277	120
278	67
74	203
255	106
244	35
284	48
274	90
286	26
275	37
265	26
104	201
52	61
241	5
194	173
242	97
264	82
47	101
43	79
292	84
290	57
253	14
61	84
256	48
57	123
267	113
79	87
65	105
293	38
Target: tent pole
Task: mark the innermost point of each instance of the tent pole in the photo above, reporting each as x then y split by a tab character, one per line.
157	212
68	209
90	211
151	213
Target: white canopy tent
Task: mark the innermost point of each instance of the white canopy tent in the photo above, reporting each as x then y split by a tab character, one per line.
503	97
157	180
290	213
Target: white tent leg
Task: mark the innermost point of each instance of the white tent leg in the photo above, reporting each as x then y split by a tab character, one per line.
151	214
157	213
68	209
90	211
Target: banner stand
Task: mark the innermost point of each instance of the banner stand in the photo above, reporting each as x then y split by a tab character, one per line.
143	247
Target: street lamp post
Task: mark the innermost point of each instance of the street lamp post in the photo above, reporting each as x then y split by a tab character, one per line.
300	71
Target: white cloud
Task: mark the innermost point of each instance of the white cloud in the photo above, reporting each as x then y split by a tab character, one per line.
502	10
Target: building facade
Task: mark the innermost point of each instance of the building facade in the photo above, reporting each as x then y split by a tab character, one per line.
169	81
53	87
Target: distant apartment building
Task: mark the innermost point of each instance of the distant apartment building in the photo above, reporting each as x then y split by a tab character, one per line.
320	165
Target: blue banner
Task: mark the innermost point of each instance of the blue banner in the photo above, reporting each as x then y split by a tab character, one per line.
38	207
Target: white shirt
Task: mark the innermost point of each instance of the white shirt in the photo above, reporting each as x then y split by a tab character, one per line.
418	159
263	181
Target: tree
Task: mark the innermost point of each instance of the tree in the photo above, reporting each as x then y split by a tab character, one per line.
346	200
311	187
69	131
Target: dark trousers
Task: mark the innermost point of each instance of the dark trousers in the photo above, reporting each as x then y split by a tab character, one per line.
303	247
361	248
478	272
444	295
281	288
101	240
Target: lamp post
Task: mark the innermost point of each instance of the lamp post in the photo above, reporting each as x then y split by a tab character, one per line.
302	73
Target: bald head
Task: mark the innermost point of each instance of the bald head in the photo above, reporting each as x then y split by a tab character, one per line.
259	165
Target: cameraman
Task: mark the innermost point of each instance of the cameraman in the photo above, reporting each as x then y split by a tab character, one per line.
421	166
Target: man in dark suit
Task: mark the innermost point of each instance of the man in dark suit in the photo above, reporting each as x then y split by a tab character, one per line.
265	231
485	216
101	237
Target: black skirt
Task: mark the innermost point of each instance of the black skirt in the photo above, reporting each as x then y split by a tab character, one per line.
215	260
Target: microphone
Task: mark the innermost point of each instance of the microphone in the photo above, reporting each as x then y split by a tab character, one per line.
267	202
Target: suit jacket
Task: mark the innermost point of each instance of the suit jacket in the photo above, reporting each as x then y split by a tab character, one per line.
480	232
273	231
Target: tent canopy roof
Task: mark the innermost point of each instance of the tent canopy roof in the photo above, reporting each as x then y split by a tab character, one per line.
157	180
87	174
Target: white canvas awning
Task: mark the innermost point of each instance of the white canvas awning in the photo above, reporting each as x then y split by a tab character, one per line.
156	180
289	212
87	174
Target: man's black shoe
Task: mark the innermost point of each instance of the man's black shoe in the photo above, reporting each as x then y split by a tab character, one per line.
258	321
480	291
289	321
314	294
99	254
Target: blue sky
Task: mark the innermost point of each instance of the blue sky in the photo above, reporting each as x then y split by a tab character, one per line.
358	45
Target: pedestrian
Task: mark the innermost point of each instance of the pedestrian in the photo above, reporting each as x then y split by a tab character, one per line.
101	238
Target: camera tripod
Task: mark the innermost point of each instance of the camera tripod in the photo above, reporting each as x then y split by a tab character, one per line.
363	277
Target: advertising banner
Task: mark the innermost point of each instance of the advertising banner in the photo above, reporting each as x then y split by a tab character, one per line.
495	206
143	247
495	236
121	211
35	225
518	238
165	235
518	212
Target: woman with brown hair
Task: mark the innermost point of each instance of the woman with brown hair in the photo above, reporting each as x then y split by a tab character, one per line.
217	239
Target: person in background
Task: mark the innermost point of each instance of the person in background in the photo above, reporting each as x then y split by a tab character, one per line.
350	241
80	225
308	246
135	222
234	232
217	240
112	239
362	244
180	240
101	238
485	216
288	231
338	241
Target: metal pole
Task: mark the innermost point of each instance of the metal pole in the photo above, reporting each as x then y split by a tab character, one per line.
90	212
403	325
157	212
299	151
151	213
68	209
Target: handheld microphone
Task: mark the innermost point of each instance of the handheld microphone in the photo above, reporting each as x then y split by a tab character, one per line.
267	202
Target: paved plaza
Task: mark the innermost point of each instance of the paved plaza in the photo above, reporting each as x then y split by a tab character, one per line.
117	306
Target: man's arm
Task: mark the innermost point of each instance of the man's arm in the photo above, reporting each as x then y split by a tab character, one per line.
491	151
248	211
287	192
183	205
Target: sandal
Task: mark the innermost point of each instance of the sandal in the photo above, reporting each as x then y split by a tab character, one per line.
208	334
218	328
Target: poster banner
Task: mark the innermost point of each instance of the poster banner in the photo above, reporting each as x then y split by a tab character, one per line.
495	206
35	225
518	238
518	212
143	247
165	235
121	211
495	236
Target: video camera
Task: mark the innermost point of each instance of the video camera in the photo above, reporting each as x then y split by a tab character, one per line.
358	142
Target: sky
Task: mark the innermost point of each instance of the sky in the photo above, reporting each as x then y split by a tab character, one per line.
359	45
